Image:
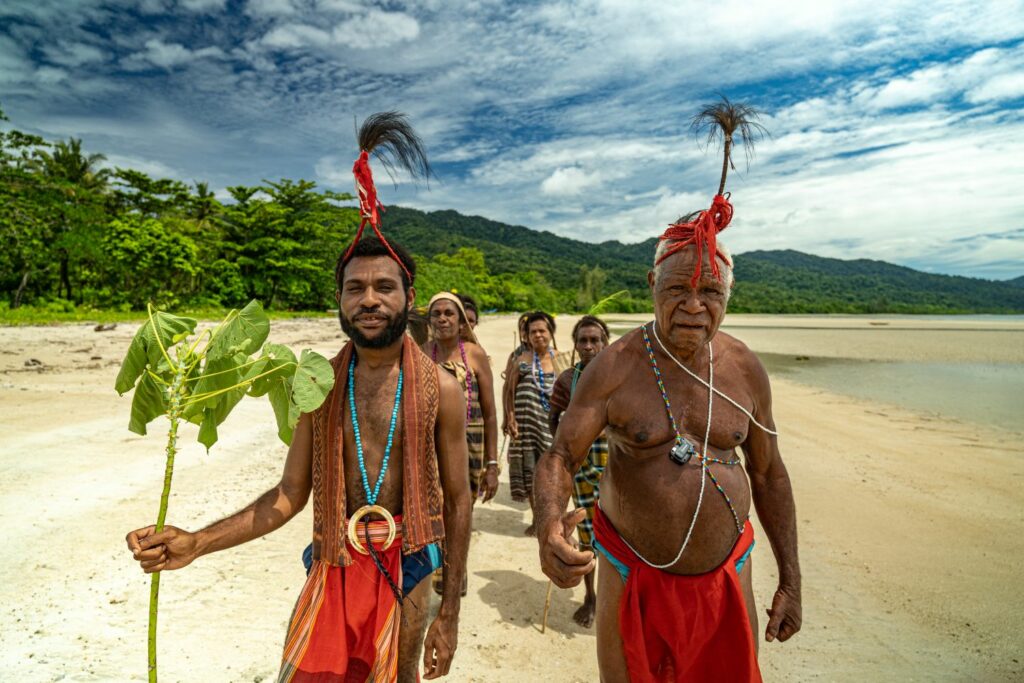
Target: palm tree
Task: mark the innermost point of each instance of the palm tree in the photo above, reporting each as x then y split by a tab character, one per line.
726	119
75	175
68	163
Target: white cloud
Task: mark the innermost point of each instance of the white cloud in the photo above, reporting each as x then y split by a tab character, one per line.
72	54
569	181
203	5
1008	86
374	29
168	55
270	7
289	36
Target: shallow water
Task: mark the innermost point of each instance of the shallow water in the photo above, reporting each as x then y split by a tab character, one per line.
984	393
963	367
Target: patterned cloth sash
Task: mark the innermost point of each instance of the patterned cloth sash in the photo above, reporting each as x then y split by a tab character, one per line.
422	500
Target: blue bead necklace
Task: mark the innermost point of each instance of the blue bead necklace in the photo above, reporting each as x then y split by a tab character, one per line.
371	496
538	373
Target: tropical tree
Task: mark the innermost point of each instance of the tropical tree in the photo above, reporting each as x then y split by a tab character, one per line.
729	122
78	177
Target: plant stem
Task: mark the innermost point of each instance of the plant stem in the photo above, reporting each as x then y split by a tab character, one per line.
174	415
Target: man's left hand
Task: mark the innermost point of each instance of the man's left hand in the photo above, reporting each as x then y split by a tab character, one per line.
785	615
439	646
490	483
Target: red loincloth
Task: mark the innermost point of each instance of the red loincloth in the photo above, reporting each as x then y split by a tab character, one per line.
682	628
345	626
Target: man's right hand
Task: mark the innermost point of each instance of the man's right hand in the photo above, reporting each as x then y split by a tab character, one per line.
172	548
560	558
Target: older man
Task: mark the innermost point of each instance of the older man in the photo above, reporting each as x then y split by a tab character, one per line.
677	398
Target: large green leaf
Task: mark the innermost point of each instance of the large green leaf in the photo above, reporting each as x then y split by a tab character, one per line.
149	402
314	378
277	361
218	374
243	332
144	349
214	415
285	410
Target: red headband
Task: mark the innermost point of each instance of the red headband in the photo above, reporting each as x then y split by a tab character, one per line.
701	231
368	205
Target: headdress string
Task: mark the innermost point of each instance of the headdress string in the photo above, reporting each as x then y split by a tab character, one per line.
701	232
368	207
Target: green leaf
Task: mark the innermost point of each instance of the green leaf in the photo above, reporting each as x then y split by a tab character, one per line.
244	332
149	402
208	430
285	410
217	374
276	358
144	349
314	378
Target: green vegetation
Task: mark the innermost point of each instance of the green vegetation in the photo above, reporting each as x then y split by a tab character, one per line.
81	242
201	380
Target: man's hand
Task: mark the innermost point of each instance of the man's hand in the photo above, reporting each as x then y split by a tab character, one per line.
490	483
439	646
172	548
560	558
785	616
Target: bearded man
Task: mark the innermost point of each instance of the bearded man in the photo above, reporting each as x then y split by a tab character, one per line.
676	398
385	459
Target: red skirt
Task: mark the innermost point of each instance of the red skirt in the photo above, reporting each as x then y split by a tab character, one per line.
679	628
345	625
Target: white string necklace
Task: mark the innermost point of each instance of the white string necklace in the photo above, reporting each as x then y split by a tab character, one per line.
703	464
654	328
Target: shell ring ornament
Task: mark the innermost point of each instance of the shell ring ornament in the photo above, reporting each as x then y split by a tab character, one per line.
353	536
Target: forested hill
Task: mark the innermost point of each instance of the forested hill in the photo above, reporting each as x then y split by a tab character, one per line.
766	281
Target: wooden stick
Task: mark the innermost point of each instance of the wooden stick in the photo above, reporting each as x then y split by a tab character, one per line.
547	606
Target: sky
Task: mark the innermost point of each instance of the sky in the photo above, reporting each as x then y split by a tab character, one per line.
897	128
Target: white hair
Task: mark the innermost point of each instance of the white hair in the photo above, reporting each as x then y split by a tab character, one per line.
724	264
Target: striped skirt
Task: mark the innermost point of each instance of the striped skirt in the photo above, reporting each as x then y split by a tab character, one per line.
345	625
534	437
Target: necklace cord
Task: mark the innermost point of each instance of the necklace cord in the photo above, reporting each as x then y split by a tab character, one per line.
654	328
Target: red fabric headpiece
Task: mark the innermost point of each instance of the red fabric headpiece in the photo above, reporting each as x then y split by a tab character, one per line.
701	231
368	206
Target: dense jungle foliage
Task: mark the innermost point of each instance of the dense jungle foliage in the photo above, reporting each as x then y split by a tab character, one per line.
79	236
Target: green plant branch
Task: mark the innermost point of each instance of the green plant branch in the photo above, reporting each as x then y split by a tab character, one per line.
196	398
156	335
174	415
224	372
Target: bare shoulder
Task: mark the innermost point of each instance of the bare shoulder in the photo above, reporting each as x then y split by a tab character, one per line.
616	362
476	354
733	352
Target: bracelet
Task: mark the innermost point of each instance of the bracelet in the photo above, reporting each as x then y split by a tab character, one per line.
492	462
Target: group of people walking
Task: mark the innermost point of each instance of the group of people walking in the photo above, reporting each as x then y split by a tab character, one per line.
638	432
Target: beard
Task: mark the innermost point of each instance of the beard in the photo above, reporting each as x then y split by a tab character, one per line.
391	333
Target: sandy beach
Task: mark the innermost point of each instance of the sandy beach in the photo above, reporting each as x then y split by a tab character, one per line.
910	523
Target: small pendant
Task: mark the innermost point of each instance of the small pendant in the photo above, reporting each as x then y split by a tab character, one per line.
682	452
353	535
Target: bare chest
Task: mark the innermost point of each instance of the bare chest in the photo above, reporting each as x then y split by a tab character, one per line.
373	433
639	419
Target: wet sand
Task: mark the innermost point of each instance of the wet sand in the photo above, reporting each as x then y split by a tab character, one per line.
910	525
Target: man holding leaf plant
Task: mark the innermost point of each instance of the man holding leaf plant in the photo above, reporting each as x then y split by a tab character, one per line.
385	459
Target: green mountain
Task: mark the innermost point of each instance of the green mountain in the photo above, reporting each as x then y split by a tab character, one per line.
766	281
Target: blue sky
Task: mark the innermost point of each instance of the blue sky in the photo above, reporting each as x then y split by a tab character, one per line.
897	127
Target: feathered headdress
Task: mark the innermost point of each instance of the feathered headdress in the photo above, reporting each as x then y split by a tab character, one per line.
391	139
723	119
